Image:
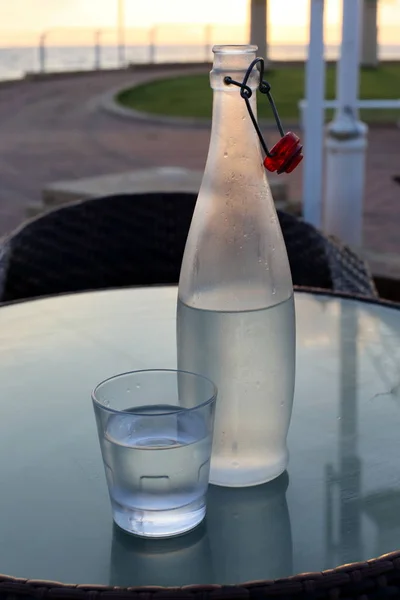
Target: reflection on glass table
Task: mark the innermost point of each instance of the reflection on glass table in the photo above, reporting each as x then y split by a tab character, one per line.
246	536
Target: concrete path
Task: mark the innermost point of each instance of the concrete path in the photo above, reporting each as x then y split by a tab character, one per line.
55	130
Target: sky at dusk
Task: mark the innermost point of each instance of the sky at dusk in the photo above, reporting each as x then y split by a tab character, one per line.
288	18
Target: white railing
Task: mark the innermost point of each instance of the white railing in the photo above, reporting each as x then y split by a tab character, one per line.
373	104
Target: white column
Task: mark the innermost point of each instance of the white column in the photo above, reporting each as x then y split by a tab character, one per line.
369	45
346	140
314	118
258	26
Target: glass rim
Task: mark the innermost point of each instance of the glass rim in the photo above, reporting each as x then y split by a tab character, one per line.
109	409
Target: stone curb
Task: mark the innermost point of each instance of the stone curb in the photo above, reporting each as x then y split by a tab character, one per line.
109	104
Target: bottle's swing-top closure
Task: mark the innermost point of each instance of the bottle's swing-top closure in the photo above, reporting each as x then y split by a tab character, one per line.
286	155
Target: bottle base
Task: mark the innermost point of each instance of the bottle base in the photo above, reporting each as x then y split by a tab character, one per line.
234	474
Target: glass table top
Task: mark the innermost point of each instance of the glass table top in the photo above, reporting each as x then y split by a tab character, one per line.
337	503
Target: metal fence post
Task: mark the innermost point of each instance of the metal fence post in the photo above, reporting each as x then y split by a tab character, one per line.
207	42
97	49
42	52
121	32
152	45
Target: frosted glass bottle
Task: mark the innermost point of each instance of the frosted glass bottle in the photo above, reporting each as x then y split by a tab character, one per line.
235	316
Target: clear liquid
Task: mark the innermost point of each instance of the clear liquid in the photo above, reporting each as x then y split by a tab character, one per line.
250	356
157	469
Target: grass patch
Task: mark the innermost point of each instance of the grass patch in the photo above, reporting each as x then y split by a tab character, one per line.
191	96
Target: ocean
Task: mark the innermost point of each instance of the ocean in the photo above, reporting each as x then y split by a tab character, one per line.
16	61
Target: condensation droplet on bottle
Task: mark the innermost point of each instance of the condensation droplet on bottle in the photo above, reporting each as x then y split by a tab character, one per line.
138	386
128	390
225	155
245	235
260	260
273	291
106	403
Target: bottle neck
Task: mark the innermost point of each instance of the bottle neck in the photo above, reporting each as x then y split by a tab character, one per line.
234	145
233	138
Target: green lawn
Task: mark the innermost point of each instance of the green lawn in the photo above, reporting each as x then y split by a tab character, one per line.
191	96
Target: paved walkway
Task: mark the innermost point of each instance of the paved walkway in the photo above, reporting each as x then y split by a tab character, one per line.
54	130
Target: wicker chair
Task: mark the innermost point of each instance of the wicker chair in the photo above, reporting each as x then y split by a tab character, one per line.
139	239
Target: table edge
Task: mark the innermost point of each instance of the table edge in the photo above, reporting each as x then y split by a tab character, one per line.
353	578
297	289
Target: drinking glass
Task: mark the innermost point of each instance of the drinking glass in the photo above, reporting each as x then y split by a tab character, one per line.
155	429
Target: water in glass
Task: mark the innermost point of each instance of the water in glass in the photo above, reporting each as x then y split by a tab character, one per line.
157	465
